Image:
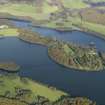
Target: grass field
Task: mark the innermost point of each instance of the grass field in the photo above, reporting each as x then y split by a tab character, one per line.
9	32
9	83
74	4
30	11
98	28
92	27
97	1
27	10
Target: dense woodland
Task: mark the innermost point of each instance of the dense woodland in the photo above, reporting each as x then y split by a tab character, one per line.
73	56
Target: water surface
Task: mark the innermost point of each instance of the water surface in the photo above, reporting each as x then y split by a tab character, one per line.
37	65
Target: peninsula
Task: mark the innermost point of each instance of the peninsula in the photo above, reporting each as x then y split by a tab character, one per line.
84	58
70	55
22	91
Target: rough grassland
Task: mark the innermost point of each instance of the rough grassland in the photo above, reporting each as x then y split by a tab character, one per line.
6	101
9	32
98	28
74	4
9	83
97	1
27	10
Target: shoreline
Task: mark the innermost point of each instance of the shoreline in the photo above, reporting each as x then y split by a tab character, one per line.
30	20
74	69
94	34
9	67
40	39
51	89
9	71
37	40
91	33
51	58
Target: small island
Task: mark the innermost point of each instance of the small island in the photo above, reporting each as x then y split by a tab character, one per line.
9	66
